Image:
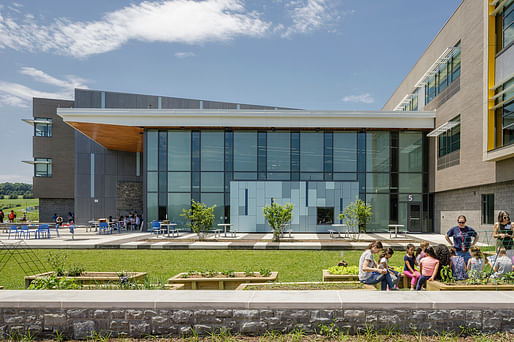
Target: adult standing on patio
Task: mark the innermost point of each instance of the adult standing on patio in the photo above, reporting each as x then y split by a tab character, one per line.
2	215
462	238
369	273
503	232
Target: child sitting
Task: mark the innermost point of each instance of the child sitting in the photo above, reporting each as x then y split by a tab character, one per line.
503	264
458	265
429	267
420	251
409	269
476	263
384	264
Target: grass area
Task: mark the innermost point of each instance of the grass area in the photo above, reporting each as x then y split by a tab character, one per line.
293	266
19	206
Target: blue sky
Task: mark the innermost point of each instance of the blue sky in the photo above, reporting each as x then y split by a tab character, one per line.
312	54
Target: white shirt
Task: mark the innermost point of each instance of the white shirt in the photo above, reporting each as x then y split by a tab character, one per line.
367	255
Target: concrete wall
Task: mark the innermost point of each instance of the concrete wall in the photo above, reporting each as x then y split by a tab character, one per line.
58	148
50	206
82	314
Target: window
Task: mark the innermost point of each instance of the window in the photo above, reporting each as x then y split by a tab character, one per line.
43	127
443	76
449	141
325	215
43	167
412	105
505	114
505	27
488	209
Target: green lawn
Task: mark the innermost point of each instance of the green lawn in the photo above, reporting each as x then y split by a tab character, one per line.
20	205
161	265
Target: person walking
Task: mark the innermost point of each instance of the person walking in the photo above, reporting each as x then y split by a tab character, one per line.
463	238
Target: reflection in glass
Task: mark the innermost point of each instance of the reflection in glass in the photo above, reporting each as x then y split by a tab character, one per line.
177	202
245	151
218	200
152	207
410	182
377	151
311	155
179	151
278	151
212	182
380	209
411	152
345	152
151	181
377	182
152	149
179	182
212	151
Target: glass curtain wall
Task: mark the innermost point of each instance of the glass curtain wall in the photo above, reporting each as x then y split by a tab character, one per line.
182	165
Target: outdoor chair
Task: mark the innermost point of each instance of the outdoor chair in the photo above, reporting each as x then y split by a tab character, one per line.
43	231
121	226
25	231
104	227
14	230
56	230
156	228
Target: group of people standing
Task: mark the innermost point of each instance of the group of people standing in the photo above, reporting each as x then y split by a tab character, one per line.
464	258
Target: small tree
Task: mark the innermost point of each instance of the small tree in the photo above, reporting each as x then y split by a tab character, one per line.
357	214
277	216
200	216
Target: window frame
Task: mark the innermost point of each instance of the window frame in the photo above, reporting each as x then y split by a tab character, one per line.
47	127
45	172
487	208
450	138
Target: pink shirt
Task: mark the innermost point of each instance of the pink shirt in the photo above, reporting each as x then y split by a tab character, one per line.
429	264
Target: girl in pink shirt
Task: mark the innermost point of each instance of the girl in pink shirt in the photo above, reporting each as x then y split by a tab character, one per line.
429	266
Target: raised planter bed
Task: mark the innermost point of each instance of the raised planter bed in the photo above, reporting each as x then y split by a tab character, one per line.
306	286
92	277
439	286
327	276
219	281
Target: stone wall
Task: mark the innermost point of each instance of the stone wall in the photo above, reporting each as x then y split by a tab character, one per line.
79	314
129	197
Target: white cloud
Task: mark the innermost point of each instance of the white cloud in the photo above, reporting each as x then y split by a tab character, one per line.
9	178
18	95
363	98
182	21
184	54
309	15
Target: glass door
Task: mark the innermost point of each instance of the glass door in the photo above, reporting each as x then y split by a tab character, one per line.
414	217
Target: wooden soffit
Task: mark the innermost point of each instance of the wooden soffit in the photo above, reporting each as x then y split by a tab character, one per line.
112	137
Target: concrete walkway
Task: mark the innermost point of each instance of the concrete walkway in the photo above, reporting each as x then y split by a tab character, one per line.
144	240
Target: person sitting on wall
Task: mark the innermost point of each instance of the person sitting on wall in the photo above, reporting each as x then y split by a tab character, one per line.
369	273
462	235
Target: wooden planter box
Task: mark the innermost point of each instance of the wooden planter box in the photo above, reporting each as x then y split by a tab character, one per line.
404	281
220	282
92	277
439	286
297	286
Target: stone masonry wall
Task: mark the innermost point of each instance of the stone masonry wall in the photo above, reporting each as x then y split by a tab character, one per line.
80	323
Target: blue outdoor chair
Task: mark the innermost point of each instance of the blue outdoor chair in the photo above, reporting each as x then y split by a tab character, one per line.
156	228
25	232
43	231
14	230
104	227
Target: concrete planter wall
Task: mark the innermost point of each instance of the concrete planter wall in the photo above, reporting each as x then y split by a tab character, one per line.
92	277
219	283
439	286
348	285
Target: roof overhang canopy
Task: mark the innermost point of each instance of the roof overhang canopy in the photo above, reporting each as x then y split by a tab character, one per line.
122	129
443	128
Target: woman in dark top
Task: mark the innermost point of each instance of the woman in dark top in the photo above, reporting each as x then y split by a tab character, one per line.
503	233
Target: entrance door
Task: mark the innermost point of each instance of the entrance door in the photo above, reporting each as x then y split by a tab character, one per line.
414	217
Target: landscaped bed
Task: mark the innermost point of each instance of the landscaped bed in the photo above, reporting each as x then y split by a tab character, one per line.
339	285
91	277
228	280
464	286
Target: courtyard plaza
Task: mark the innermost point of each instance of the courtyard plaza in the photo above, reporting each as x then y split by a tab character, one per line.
85	238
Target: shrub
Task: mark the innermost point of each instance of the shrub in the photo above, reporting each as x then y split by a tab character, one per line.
200	217
278	216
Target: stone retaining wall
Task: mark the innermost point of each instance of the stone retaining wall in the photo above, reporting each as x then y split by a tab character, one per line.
80	314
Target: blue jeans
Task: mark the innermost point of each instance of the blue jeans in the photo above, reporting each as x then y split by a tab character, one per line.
385	280
421	281
465	255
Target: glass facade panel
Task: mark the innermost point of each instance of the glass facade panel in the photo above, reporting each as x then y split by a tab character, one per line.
345	152
43	127
411	152
218	200
345	176
152	150
152	181
212	182
279	152
377	151
152	207
179	182
410	182
377	182
311	152
179	151
177	202
380	209
212	151
245	151
43	167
